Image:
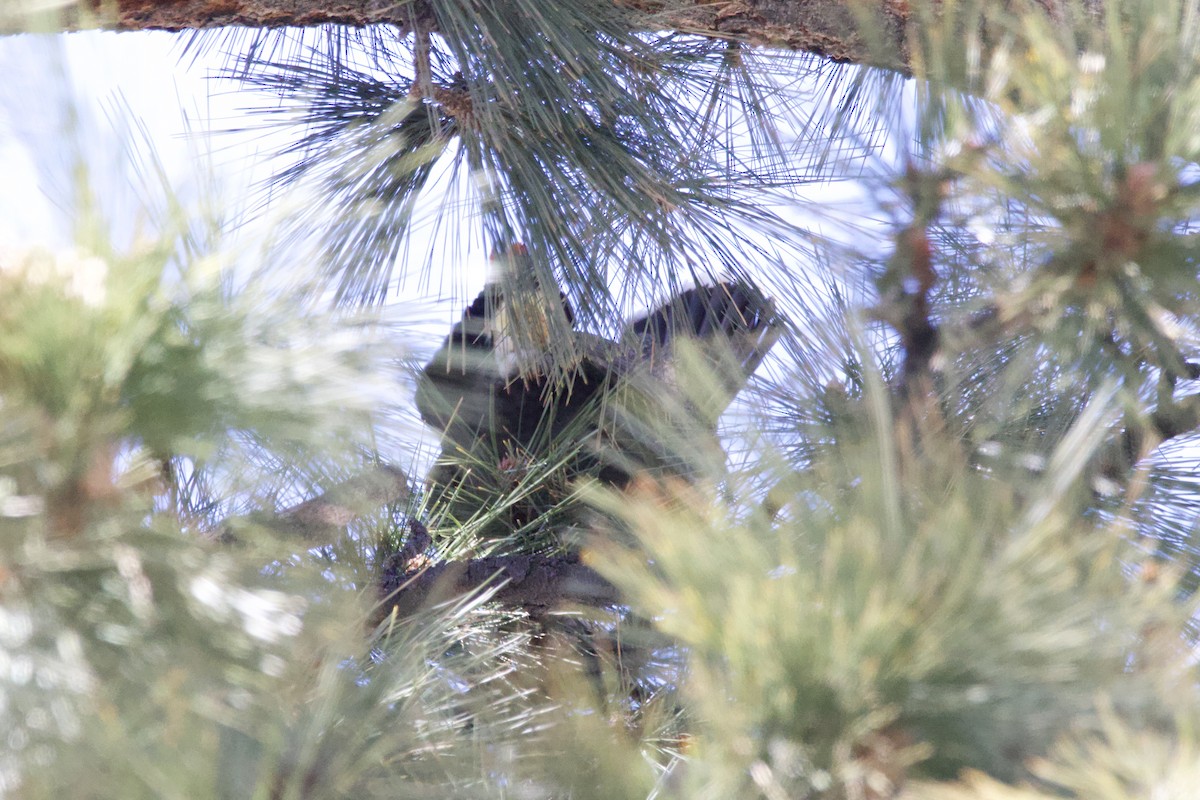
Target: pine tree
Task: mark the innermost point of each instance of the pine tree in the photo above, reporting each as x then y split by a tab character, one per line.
942	547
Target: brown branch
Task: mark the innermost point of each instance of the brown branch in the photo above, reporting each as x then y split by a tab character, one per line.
831	28
919	336
826	27
422	86
323	519
411	582
535	583
177	15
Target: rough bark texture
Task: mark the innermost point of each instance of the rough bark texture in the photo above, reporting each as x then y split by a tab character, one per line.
411	580
826	27
177	15
535	583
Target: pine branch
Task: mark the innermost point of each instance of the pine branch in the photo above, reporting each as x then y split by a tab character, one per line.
411	582
827	27
533	582
323	519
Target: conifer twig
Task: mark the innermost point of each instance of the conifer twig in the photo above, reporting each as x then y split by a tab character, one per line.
323	518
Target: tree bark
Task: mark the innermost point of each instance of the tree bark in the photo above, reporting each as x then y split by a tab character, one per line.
535	583
832	28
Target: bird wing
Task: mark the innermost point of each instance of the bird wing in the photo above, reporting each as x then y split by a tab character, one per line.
725	329
622	409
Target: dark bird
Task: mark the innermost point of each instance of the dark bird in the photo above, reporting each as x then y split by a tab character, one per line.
519	430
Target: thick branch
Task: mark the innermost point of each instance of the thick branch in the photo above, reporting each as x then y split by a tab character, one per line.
535	583
827	27
323	519
176	15
411	582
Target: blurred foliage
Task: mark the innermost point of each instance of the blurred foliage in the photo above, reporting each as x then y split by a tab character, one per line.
882	615
962	571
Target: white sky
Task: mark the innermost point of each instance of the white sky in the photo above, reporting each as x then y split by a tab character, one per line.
129	88
118	77
43	74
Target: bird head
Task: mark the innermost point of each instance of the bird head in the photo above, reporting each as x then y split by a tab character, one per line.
529	320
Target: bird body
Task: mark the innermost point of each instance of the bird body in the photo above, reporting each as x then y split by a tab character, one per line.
519	431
